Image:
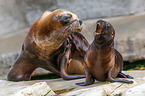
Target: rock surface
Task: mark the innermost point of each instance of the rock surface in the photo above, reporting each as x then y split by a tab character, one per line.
102	90
38	89
85	9
5	63
18	14
12	17
68	87
136	91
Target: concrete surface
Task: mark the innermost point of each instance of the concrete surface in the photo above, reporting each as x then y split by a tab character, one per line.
67	87
136	91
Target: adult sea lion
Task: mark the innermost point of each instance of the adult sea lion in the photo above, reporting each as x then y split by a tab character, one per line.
102	60
52	43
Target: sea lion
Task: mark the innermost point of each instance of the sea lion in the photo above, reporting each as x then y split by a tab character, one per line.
52	43
102	60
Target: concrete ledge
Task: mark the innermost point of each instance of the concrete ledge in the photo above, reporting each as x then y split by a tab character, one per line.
68	87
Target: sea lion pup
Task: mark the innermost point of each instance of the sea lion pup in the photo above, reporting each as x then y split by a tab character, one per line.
102	60
53	43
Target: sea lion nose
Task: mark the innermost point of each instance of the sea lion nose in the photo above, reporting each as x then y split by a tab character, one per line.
81	22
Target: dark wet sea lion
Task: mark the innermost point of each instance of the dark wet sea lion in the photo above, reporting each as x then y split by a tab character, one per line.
102	60
53	43
71	56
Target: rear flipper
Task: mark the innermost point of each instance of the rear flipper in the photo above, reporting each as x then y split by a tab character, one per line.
22	69
119	80
110	79
122	75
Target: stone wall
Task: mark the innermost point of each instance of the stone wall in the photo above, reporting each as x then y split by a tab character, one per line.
6	63
18	14
12	16
85	9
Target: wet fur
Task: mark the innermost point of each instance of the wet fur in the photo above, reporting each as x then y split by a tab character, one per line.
51	45
102	61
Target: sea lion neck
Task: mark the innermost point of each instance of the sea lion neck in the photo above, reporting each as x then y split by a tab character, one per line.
101	42
51	42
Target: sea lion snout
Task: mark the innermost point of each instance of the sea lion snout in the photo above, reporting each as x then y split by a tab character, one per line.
69	20
76	25
81	22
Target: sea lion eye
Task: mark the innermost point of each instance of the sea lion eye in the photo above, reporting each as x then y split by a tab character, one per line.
108	26
65	18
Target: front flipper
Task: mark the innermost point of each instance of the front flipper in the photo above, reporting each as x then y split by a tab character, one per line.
85	83
110	79
89	79
64	61
122	75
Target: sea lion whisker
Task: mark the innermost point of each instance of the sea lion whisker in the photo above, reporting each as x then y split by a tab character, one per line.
85	30
59	34
92	27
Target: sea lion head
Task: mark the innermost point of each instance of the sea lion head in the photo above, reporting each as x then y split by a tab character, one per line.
104	30
53	28
59	22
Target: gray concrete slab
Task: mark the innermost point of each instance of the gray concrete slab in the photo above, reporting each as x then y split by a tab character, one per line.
58	85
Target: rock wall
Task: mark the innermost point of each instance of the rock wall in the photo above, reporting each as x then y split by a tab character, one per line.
6	63
12	16
85	9
17	14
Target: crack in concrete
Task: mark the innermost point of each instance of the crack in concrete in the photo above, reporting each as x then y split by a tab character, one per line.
116	88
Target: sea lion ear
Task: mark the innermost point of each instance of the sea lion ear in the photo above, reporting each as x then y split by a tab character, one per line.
98	29
46	13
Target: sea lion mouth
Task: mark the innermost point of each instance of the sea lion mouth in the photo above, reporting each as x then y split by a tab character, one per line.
98	29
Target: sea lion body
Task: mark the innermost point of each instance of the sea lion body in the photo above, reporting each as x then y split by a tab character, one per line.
102	60
46	44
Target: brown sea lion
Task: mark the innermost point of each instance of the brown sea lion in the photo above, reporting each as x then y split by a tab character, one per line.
102	60
53	43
